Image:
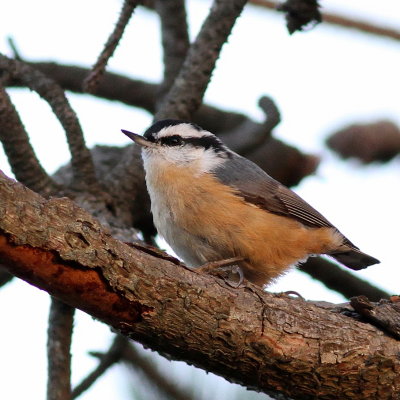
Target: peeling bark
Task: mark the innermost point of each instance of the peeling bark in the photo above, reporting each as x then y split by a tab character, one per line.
267	342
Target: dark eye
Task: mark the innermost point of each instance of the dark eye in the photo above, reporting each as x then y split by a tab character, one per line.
172	141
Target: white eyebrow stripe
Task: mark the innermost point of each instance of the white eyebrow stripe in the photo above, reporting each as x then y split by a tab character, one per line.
182	130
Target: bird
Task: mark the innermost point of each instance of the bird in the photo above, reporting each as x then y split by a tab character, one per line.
215	207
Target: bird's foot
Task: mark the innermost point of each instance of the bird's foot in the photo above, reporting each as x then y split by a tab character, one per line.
290	293
227	269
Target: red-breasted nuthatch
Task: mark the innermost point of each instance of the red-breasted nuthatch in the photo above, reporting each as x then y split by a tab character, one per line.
211	204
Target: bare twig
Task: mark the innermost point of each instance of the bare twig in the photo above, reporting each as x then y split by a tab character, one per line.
186	94
159	381
21	156
92	80
343	22
82	164
107	360
14	48
341	281
175	40
249	136
58	350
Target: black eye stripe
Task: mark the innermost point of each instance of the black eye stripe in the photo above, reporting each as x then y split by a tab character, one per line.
174	140
206	142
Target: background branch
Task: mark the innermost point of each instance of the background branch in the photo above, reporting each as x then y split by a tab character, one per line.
341	281
175	41
61	319
162	384
107	360
92	80
186	94
81	161
21	156
343	22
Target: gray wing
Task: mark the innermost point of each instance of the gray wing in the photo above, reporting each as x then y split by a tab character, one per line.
258	188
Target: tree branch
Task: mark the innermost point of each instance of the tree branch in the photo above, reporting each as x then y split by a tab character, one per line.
107	360
159	381
175	40
186	94
81	161
264	341
92	80
341	21
58	350
21	156
341	281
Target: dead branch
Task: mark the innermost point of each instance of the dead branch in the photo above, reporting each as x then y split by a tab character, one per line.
264	341
92	80
343	22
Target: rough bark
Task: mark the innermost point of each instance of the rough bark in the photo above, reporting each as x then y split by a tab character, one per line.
271	343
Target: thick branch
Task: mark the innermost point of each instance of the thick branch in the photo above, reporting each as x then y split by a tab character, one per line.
48	89
186	94
21	156
264	341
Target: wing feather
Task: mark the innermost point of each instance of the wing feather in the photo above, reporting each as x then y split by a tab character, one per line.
260	189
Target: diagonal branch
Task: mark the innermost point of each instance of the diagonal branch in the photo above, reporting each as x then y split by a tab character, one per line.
81	160
186	94
107	360
159	381
21	156
273	343
92	80
343	282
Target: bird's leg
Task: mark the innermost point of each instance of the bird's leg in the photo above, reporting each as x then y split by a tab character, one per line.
227	266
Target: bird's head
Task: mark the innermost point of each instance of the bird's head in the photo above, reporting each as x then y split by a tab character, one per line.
180	143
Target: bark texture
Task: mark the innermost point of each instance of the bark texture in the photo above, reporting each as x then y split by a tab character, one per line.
272	343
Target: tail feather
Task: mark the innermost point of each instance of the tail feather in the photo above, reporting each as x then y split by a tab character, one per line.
355	259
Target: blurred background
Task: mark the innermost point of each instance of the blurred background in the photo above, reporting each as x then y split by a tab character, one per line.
322	80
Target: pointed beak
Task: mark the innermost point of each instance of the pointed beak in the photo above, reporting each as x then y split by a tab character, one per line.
140	140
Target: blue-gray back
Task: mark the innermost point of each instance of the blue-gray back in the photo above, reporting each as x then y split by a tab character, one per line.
258	188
